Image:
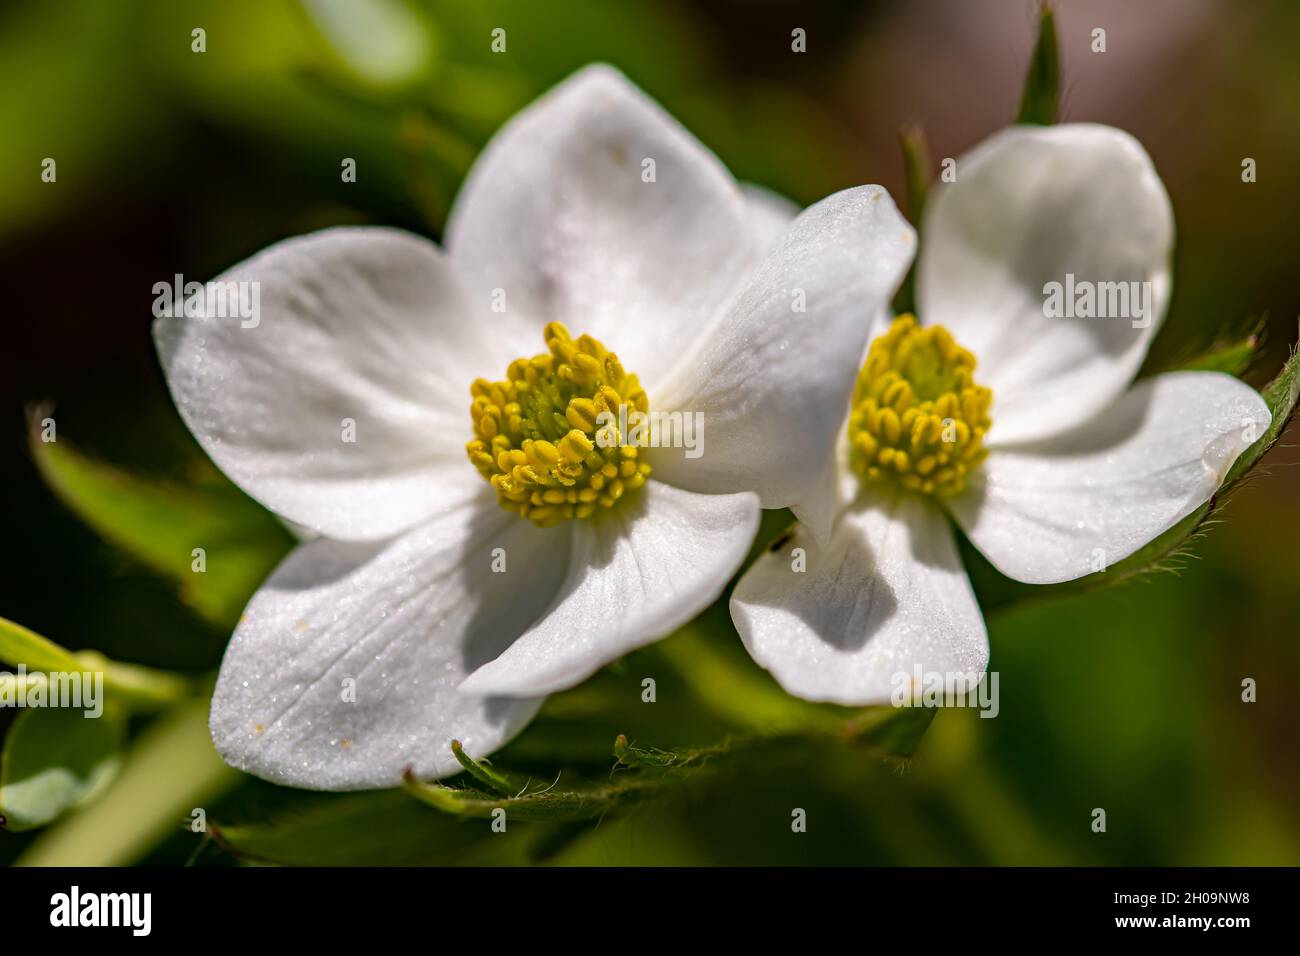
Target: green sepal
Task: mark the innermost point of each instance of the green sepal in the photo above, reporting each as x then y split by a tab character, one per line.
1041	97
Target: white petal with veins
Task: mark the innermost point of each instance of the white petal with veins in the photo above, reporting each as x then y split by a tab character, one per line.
1070	505
639	571
405	621
365	324
1030	206
887	595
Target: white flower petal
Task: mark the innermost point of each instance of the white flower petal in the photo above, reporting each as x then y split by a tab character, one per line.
1062	508
817	509
639	571
1029	206
769	213
835	488
406	620
837	485
361	324
556	213
887	595
772	383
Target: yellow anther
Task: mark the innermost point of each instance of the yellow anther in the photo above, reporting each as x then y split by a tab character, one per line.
546	438
917	417
575	446
581	414
547	455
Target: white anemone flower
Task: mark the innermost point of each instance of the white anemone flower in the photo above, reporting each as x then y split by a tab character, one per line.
454	585
992	409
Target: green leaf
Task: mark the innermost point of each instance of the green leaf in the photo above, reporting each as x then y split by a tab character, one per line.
1038	103
631	756
1231	358
161	523
128	685
137	688
643	773
894	731
383	828
1232	352
583	800
168	772
54	759
18	645
449	822
568	805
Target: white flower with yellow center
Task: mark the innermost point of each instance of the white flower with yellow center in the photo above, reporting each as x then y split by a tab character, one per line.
995	410
436	417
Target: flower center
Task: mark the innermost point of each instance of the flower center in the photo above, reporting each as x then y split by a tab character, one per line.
917	417
547	437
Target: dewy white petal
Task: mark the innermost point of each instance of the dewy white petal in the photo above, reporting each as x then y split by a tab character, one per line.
639	571
820	504
345	667
361	333
769	213
837	485
1068	506
835	488
561	216
886	596
771	382
1033	206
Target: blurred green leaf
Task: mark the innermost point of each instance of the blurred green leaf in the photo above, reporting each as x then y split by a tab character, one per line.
643	774
161	523
18	645
168	773
382	42
1231	358
136	688
896	732
390	827
1232	352
380	828
131	686
1038	103
55	758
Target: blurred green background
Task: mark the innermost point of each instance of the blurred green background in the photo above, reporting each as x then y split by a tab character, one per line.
173	161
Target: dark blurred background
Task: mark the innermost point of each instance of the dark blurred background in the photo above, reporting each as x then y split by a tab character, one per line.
170	161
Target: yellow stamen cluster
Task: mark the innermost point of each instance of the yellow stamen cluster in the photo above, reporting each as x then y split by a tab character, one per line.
540	438
918	418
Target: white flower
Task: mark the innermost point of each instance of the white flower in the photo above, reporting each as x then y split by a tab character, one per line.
1082	467
372	647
